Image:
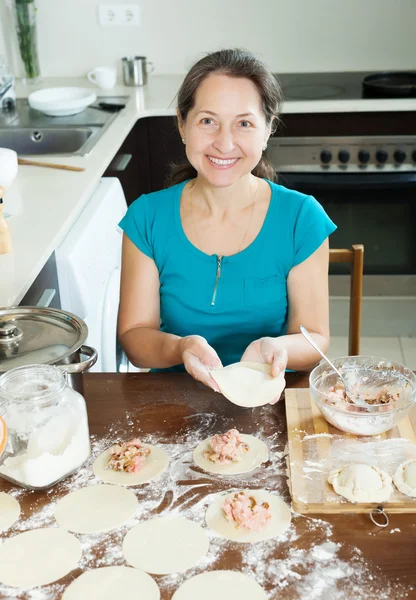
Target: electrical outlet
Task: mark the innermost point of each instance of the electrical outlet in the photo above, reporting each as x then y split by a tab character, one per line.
118	14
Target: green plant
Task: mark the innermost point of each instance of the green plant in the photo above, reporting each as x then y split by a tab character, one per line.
25	11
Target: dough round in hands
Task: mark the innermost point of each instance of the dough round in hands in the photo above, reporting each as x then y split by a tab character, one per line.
361	483
38	557
108	583
9	510
97	508
218	522
165	545
405	478
154	465
256	454
249	384
220	584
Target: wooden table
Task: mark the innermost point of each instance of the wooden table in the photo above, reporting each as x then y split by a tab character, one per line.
169	407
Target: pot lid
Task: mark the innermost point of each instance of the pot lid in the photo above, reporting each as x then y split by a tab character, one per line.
38	335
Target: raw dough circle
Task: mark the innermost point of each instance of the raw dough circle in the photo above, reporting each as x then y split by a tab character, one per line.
257	453
97	508
165	545
361	483
108	583
9	510
405	478
280	521
155	464
38	557
220	584
248	384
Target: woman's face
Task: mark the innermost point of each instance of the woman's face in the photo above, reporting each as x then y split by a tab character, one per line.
226	131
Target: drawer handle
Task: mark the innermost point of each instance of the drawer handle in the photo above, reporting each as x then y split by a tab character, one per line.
120	162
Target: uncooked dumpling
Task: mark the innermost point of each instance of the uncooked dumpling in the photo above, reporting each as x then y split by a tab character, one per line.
155	464
220	584
9	510
256	455
361	483
405	478
249	384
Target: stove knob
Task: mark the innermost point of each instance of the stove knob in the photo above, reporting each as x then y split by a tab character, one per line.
364	156
381	156
343	156
326	156
399	156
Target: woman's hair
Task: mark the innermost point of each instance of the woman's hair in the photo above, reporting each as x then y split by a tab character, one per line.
233	63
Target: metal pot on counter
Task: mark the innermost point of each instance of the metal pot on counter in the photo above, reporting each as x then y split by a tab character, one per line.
37	335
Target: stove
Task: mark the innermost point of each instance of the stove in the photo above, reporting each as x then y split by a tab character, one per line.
347	86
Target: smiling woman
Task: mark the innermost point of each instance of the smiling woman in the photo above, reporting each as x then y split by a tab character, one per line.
225	264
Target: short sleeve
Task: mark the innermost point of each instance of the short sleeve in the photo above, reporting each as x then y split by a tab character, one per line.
312	227
136	225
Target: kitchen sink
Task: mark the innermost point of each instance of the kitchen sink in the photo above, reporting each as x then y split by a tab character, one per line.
30	132
49	140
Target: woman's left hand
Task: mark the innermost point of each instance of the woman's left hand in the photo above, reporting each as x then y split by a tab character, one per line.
267	350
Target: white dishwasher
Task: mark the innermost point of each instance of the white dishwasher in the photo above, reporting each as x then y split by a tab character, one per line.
88	264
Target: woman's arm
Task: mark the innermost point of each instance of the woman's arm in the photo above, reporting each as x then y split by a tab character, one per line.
139	313
308	297
139	323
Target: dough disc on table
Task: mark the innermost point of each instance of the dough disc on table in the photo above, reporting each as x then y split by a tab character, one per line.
165	545
97	508
218	585
108	583
256	455
9	510
155	464
280	521
38	557
361	483
248	384
405	478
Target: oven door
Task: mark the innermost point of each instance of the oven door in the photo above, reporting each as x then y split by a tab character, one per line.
377	210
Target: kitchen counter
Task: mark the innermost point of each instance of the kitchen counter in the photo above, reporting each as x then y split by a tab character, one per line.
47	202
321	556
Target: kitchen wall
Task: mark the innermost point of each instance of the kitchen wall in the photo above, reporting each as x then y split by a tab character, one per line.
290	35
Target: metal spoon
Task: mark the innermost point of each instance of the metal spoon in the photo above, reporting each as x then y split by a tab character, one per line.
353	397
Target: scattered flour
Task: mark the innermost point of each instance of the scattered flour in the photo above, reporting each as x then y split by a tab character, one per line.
304	563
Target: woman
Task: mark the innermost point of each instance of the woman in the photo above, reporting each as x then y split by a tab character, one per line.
225	264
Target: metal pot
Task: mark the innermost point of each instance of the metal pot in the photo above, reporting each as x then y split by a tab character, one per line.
37	335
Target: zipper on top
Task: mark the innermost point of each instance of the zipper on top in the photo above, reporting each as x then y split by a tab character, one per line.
217	279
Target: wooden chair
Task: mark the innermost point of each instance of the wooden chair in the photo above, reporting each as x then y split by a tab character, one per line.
355	257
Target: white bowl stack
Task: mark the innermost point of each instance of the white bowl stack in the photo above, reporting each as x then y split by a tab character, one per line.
61	101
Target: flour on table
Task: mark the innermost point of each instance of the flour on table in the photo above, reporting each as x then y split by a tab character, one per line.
96	508
279	522
154	465
38	557
165	545
249	384
108	583
9	510
256	454
220	584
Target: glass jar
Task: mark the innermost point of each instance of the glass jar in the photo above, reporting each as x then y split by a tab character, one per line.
47	427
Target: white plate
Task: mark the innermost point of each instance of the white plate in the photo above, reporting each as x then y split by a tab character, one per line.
61	101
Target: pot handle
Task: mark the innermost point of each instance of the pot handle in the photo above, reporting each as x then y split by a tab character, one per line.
84	365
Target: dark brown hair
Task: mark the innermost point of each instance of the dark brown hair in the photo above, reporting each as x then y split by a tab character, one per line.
233	63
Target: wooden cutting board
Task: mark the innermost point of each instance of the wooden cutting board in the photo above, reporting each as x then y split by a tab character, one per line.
314	442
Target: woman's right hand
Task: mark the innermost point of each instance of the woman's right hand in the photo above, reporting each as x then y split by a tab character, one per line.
198	358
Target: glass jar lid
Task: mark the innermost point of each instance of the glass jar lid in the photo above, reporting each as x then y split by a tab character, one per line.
33	334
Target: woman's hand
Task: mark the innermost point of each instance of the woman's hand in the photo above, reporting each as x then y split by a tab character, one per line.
267	350
198	358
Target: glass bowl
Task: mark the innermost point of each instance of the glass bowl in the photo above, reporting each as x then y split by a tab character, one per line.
369	375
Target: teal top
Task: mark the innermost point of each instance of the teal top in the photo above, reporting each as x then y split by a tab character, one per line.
234	300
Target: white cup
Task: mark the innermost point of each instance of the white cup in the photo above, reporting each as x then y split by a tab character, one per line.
104	77
8	167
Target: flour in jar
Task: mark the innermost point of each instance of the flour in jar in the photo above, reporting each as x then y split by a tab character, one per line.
47	444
